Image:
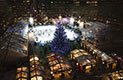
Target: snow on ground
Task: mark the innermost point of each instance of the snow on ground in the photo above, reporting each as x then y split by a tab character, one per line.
43	34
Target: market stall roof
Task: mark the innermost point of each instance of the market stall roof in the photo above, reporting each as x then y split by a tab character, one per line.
60	67
117	75
57	63
103	55
84	60
78	52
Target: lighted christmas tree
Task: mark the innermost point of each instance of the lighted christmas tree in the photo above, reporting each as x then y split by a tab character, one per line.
60	43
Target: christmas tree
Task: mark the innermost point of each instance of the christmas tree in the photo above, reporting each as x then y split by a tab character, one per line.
60	43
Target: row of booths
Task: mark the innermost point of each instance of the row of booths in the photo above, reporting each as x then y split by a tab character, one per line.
96	53
59	67
117	75
91	59
33	71
83	60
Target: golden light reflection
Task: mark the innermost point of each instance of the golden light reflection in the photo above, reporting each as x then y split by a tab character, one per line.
22	73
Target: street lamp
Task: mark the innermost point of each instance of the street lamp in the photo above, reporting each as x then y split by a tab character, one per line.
31	36
81	25
31	21
60	18
30	25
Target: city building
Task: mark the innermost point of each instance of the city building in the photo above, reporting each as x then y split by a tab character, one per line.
23	9
13	47
54	8
4	16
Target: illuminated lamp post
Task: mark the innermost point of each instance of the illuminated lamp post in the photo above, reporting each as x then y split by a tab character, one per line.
22	73
35	69
81	25
60	18
31	21
30	25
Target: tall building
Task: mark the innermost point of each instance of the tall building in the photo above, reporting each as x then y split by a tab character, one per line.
23	9
56	7
91	1
13	47
4	16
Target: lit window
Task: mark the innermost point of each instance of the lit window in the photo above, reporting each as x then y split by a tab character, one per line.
37	78
36	58
22	73
31	59
28	1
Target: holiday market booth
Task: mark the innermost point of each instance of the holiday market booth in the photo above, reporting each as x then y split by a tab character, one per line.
87	45
32	72
22	73
58	66
106	59
84	61
117	75
36	72
96	53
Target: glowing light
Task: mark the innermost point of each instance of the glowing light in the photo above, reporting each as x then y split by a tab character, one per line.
78	21
25	47
65	21
51	72
72	20
37	78
81	24
34	58
77	64
46	18
31	21
31	36
54	21
31	59
22	73
60	17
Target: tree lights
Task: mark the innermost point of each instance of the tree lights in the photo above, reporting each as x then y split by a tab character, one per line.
60	43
